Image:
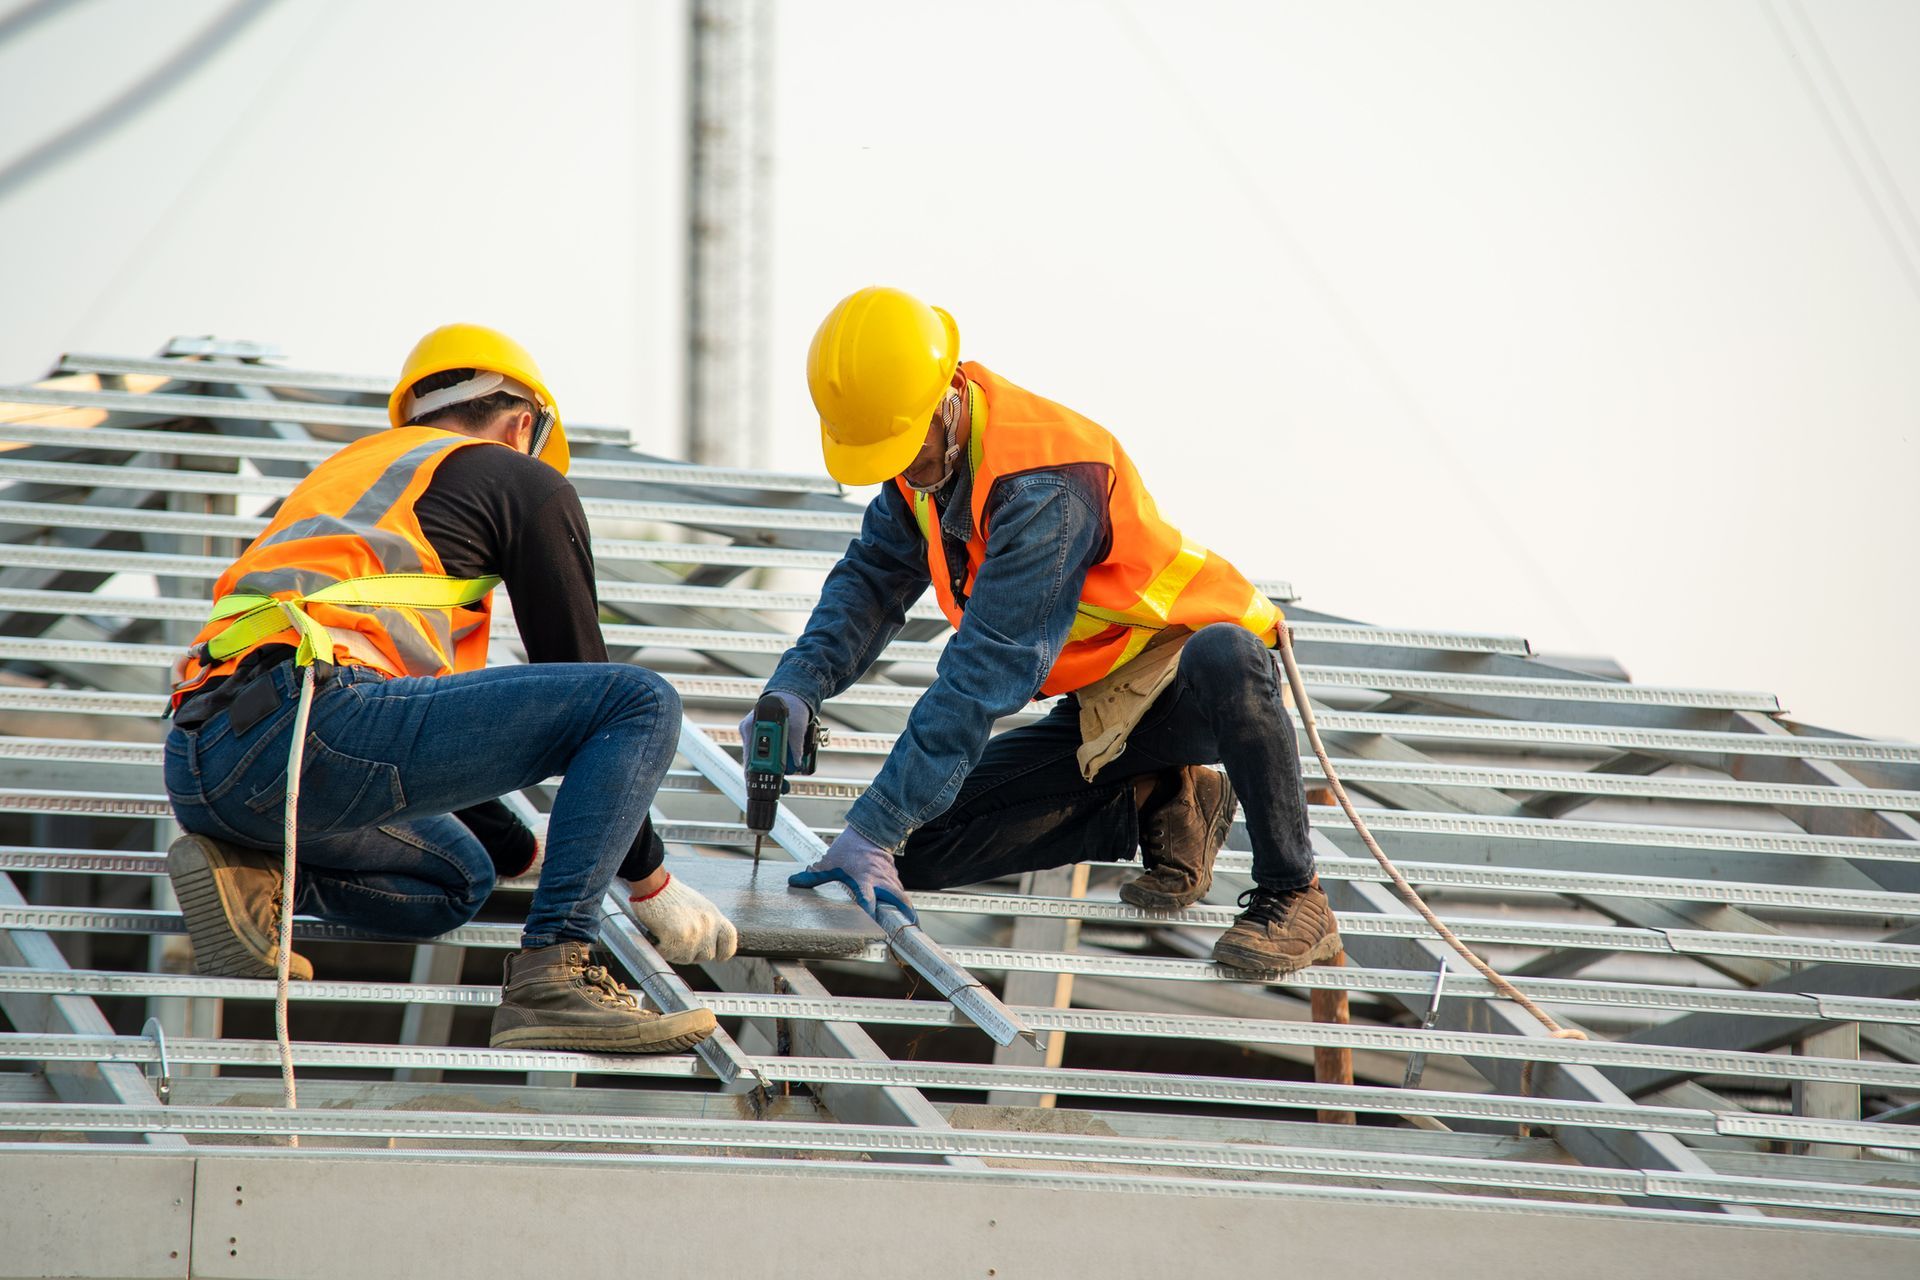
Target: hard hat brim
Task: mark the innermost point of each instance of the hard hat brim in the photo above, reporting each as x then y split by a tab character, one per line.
864	464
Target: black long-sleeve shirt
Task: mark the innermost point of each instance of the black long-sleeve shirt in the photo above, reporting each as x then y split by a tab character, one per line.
498	511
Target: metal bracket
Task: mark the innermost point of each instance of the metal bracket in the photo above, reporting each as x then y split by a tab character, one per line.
163	1088
1417	1062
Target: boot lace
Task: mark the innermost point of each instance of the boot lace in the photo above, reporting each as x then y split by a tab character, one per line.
1261	905
606	988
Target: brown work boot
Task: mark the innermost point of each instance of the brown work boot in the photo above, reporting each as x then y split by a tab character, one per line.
1278	932
231	899
555	998
1178	840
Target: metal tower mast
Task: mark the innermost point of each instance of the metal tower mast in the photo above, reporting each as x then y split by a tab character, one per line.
730	45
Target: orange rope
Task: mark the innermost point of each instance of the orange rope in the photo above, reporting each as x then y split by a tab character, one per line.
1408	893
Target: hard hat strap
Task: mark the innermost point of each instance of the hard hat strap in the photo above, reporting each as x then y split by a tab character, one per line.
949	411
483	383
542	428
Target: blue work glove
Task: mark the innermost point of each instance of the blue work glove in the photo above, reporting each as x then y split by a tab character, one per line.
799	715
865	868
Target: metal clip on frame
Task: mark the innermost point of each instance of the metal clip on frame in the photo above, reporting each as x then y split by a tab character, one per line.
163	1090
1417	1062
907	940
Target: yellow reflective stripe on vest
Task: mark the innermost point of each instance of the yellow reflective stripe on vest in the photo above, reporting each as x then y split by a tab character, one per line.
255	617
1157	601
1137	640
1262	615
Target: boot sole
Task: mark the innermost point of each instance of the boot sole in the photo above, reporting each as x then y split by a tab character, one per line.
218	949
1254	962
670	1033
1135	891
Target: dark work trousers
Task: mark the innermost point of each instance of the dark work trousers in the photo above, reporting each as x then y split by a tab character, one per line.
1025	806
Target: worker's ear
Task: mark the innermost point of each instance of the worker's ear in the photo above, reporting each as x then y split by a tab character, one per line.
523	431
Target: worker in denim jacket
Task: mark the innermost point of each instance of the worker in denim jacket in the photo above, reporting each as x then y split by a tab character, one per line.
1061	579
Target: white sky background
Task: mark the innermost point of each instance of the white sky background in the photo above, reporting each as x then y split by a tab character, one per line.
1595	322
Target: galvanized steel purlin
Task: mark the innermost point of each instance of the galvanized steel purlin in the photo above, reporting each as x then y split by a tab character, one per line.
1770	794
1674	999
738	555
244	528
971	1076
1463	1044
1379	679
1616	737
834	1138
1439	1103
1598	938
123	804
1463	875
1595	784
1615	784
166	607
1601	938
162	480
256	375
200	444
165	405
1575	831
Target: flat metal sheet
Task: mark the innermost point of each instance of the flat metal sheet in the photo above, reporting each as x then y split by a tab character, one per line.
775	919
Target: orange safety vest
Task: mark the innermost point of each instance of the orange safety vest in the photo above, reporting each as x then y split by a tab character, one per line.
1151	578
350	526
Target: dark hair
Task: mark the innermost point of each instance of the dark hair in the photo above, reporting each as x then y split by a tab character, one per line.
471	414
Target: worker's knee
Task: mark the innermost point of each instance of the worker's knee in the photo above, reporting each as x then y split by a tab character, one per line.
455	910
636	690
1226	654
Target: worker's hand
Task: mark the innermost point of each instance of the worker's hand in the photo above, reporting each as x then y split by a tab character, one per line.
865	868
685	926
798	717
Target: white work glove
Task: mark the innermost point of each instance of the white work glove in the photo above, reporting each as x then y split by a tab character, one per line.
685	926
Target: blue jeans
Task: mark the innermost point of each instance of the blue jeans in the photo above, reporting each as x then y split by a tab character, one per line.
388	761
1025	807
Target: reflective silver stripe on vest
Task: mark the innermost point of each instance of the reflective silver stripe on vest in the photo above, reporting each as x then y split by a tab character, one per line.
268	582
394	552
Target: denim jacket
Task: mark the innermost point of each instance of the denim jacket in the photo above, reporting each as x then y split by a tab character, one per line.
1045	530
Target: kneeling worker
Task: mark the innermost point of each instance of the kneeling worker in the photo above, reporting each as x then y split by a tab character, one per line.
1060	576
380	565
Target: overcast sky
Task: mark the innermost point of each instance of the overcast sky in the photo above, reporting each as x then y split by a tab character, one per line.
1594	322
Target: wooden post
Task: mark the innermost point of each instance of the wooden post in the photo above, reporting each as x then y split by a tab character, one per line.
1335	1065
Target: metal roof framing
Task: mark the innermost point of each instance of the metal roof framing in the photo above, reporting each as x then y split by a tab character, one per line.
1725	900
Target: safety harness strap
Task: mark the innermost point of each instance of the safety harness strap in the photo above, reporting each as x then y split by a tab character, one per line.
256	616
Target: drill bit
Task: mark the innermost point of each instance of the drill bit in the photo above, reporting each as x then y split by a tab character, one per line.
756	850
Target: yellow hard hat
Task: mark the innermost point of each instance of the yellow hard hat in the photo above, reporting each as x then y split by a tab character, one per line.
878	366
472	346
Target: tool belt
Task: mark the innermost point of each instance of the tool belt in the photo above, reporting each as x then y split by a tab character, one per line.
1111	707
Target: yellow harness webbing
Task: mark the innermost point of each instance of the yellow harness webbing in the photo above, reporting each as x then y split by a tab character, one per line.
255	617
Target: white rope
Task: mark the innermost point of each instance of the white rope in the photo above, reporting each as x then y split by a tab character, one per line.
296	757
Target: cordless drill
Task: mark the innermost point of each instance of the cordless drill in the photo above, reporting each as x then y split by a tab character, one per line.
765	756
